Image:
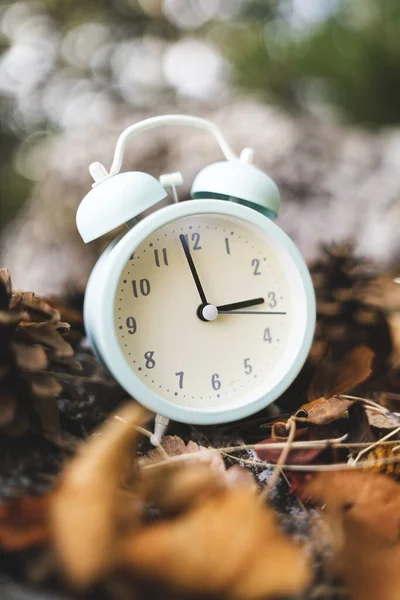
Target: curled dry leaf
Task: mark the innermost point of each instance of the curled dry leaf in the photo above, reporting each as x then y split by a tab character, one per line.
297	456
176	486
83	509
325	405
324	410
381	421
364	512
175	446
335	377
228	544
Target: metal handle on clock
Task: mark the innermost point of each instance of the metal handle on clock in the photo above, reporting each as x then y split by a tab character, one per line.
99	172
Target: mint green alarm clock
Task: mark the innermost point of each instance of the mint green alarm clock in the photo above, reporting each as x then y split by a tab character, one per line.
204	310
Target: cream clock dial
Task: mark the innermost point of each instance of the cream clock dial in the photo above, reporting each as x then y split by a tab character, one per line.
205	343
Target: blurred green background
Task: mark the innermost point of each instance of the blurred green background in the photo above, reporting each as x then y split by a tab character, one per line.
74	63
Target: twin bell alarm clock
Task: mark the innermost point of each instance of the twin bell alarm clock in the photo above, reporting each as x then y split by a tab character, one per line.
203	310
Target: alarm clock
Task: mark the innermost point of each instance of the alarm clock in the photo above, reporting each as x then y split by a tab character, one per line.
203	310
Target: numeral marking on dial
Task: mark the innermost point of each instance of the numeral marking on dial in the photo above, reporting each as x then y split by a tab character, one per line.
142	288
131	325
247	366
150	362
195	238
272	300
164	258
180	374
267	335
215	382
255	263
228	250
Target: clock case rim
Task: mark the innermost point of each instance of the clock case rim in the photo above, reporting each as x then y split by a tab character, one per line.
100	321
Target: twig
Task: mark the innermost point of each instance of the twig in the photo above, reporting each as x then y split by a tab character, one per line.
371	446
370	403
316	468
148	434
281	461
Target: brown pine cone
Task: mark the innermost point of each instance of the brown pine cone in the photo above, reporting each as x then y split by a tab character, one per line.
32	349
71	310
345	316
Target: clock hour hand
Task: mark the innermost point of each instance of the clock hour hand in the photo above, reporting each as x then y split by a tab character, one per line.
243	304
227	309
193	270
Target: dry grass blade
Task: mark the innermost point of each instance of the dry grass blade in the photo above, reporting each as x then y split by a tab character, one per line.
282	458
83	510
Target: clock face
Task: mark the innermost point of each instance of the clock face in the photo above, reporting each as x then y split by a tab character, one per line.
163	329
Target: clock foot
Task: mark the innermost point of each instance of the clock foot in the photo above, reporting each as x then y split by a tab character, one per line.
160	427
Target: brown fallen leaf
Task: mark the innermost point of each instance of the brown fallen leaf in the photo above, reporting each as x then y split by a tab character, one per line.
325	405
335	377
369	563
24	523
296	456
355	489
331	379
364	512
323	410
175	487
84	508
229	544
175	446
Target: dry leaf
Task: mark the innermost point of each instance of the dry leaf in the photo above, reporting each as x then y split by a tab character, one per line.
324	410
175	446
297	456
368	563
229	544
380	421
24	523
83	510
356	488
364	512
176	486
338	377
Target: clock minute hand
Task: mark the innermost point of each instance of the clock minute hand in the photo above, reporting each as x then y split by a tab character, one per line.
193	270
243	304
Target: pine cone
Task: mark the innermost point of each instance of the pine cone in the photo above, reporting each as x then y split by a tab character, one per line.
71	310
31	347
345	317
